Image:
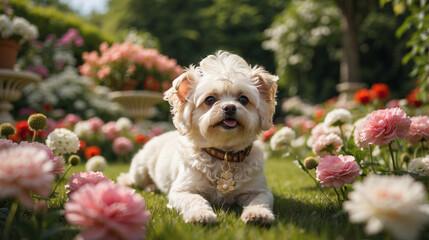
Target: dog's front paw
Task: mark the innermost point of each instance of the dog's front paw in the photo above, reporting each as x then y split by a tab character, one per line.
257	214
200	216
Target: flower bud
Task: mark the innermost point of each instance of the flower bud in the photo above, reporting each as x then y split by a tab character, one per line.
6	129
74	160
37	121
405	157
310	163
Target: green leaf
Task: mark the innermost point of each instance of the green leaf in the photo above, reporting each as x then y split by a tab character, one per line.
52	217
51	232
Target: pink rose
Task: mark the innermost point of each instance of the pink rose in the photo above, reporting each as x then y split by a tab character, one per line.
335	171
385	125
78	180
419	129
25	169
107	211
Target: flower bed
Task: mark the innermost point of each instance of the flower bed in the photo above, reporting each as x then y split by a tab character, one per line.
374	158
129	66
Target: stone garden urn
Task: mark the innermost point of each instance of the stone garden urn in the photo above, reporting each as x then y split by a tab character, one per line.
138	105
11	85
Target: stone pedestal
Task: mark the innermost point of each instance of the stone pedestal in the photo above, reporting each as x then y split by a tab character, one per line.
347	90
11	85
138	105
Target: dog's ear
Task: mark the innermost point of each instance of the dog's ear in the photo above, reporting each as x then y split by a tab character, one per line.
267	87
179	96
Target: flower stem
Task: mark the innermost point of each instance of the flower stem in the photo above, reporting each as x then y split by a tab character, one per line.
370	157
338	197
317	184
423	147
34	135
10	218
391	155
59	180
343	138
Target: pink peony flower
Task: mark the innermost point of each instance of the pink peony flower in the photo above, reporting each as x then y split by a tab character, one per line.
109	129
122	145
78	180
6	143
71	119
419	129
327	144
318	131
357	134
385	125
107	211
24	170
58	161
95	123
335	171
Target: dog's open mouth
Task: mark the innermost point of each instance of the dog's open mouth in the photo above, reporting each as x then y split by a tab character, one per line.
228	123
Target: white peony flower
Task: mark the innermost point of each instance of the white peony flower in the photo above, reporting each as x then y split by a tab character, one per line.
393	202
420	166
282	138
337	117
63	141
83	130
96	164
123	124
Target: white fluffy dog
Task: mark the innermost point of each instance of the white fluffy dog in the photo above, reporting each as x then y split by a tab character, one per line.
219	109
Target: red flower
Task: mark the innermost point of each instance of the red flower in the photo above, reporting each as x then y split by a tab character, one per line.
363	96
380	91
82	145
412	98
47	107
142	139
92	151
331	101
268	134
319	114
22	133
150	83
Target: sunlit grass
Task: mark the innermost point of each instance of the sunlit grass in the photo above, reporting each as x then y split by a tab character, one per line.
301	211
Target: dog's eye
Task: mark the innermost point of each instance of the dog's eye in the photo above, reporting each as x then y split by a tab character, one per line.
210	100
243	100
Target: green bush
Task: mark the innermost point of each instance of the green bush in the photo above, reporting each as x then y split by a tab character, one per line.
306	41
50	20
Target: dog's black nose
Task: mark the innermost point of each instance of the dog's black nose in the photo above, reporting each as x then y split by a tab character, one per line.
229	109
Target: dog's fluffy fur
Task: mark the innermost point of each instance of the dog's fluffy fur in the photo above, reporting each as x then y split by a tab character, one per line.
176	163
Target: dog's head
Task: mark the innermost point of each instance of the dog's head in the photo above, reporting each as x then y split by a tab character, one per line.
223	102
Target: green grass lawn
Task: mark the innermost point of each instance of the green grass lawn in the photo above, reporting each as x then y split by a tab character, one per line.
300	209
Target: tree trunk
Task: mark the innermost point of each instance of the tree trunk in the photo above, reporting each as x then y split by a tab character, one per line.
351	20
349	68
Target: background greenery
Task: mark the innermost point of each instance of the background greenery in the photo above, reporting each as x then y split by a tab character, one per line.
188	30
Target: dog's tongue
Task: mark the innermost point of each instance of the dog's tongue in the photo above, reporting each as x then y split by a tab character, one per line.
230	123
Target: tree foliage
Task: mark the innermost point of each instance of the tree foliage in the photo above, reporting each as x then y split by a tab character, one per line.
189	30
306	41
